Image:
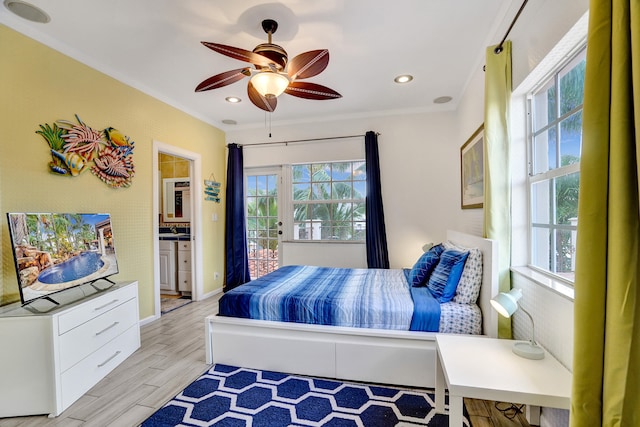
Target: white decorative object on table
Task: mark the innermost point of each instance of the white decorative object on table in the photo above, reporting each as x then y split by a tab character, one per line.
506	303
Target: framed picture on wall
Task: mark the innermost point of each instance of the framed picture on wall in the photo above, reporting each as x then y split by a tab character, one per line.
472	171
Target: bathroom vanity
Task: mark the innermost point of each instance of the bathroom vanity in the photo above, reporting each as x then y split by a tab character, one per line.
175	264
168	267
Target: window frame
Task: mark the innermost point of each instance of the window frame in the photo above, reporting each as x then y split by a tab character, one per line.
551	174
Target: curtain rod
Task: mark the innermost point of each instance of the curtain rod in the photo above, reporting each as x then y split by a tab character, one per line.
499	48
302	140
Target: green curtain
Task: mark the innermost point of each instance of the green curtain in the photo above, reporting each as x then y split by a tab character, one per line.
606	363
497	177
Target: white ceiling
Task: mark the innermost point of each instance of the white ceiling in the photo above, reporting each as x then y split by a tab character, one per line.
154	46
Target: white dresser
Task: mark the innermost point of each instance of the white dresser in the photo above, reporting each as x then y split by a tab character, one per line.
50	357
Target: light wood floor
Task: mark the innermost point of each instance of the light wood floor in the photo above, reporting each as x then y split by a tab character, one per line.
171	357
485	413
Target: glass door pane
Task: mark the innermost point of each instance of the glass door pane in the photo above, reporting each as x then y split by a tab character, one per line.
263	222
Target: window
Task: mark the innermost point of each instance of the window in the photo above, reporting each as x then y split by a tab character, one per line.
554	175
329	201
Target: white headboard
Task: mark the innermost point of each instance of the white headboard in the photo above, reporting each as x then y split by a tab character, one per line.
489	249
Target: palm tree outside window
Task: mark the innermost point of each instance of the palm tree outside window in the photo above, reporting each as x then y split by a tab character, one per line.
329	201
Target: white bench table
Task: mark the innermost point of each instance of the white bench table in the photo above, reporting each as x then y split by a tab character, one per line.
486	368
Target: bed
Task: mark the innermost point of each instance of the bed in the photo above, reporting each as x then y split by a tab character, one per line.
354	347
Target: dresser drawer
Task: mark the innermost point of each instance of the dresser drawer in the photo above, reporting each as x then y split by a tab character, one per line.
79	342
184	245
94	308
184	260
184	281
76	381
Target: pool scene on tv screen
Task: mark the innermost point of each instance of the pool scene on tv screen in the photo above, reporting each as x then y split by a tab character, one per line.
56	251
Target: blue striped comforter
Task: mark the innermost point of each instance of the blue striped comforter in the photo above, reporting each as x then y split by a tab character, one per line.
363	298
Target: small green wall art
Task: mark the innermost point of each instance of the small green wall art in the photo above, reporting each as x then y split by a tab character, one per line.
211	189
76	147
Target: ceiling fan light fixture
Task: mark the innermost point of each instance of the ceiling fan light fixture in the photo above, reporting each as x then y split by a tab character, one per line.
268	83
274	74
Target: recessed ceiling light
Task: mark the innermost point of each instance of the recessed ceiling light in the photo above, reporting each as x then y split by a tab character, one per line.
442	100
27	11
405	78
229	122
233	99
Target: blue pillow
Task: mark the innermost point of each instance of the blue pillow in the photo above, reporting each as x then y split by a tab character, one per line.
445	277
421	270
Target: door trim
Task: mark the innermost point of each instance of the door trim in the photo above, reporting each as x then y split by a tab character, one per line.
195	173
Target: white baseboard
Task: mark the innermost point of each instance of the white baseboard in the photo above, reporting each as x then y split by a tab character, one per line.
148	320
211	294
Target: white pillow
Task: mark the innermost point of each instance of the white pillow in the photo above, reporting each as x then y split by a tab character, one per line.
468	288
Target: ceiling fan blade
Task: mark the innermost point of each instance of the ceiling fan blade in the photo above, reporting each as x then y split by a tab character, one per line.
223	79
266	104
311	91
241	54
308	64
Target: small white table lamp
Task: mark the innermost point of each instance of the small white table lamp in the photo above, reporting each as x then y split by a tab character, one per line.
506	303
427	246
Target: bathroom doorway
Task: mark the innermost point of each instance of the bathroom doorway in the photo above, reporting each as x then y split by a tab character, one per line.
177	211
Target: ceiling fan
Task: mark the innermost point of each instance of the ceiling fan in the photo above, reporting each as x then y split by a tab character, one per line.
273	73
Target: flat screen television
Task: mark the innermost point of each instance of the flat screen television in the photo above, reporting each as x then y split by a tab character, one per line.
57	251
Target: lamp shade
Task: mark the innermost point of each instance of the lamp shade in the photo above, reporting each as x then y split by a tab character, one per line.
268	83
506	303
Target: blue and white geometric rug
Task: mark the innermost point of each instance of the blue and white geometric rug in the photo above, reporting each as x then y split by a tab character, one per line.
227	396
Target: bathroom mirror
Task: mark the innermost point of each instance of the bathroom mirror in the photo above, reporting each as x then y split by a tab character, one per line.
176	196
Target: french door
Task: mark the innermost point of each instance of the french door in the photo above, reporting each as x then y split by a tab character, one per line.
264	223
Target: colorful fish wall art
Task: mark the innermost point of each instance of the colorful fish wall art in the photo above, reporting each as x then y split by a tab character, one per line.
77	147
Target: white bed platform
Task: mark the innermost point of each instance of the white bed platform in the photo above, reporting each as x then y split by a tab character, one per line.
357	354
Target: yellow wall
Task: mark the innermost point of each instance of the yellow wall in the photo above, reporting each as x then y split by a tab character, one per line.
39	85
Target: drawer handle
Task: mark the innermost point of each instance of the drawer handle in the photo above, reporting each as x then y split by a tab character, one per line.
109	359
106	305
107	328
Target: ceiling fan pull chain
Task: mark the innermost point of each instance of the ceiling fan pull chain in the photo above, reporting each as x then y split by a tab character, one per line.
267	122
